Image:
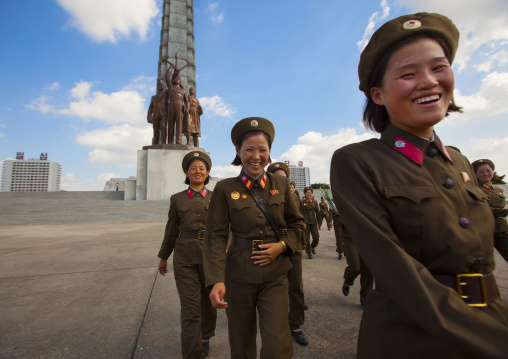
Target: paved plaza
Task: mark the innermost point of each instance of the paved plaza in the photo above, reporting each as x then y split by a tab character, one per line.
91	290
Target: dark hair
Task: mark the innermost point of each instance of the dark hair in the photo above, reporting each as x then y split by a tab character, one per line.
238	161
375	117
187	180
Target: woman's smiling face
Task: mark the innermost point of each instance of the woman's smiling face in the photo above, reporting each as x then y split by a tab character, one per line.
254	153
417	87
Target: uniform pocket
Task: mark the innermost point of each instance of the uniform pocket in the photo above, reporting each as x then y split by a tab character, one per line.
239	205
476	193
415	193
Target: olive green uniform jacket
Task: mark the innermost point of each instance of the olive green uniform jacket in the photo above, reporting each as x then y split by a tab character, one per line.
232	204
187	213
497	201
414	209
311	212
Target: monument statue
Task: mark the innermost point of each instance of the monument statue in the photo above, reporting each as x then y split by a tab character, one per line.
178	100
157	114
192	121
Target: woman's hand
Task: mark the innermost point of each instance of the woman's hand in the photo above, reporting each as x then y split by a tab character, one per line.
216	295
268	254
163	267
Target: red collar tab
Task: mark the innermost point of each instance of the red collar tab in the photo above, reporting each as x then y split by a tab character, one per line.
487	186
445	151
249	182
408	150
190	192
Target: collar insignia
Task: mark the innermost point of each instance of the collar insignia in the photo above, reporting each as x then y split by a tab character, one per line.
408	150
248	183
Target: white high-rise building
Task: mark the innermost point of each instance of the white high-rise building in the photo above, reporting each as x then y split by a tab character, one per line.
300	175
32	175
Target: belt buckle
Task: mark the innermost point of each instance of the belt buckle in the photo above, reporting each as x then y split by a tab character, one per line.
201	234
460	284
254	241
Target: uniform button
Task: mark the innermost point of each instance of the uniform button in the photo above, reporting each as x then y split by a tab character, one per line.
464	222
260	215
479	265
449	183
260	233
199	215
432	151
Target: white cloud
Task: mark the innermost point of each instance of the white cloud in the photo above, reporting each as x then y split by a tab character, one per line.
479	22
225	171
2	135
112	19
373	21
52	86
492	59
116	145
489	101
213	106
216	17
70	183
121	106
41	104
145	85
316	150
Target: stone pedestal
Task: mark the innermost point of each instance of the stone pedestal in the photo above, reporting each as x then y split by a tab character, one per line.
130	190
160	172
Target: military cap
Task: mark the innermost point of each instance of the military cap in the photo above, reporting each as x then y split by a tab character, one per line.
278	166
397	30
308	189
484	161
191	156
250	124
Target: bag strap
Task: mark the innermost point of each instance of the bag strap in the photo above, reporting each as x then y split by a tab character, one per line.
267	214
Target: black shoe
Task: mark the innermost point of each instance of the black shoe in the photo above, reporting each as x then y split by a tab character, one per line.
313	251
345	289
340	257
305	306
319	228
310	256
206	348
329	229
300	338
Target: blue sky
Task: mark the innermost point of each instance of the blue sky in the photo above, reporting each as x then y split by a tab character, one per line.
77	77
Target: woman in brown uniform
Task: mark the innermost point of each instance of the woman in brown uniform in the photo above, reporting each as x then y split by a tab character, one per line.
312	218
484	170
252	275
413	208
296	295
184	235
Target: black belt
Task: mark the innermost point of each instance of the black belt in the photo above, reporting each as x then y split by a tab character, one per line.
196	235
476	289
249	244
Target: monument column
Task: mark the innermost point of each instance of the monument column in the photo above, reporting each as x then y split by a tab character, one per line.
177	37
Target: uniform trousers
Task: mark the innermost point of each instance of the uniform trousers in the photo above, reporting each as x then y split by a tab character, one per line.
337	228
198	317
296	296
311	228
501	243
355	267
271	300
175	121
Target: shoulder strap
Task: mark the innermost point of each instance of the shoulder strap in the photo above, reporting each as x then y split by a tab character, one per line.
267	214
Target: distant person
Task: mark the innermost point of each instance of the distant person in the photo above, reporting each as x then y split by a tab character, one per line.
312	218
252	276
496	199
413	208
323	209
117	186
337	228
296	294
184	234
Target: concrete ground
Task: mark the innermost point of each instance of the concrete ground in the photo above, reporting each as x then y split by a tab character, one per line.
91	290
